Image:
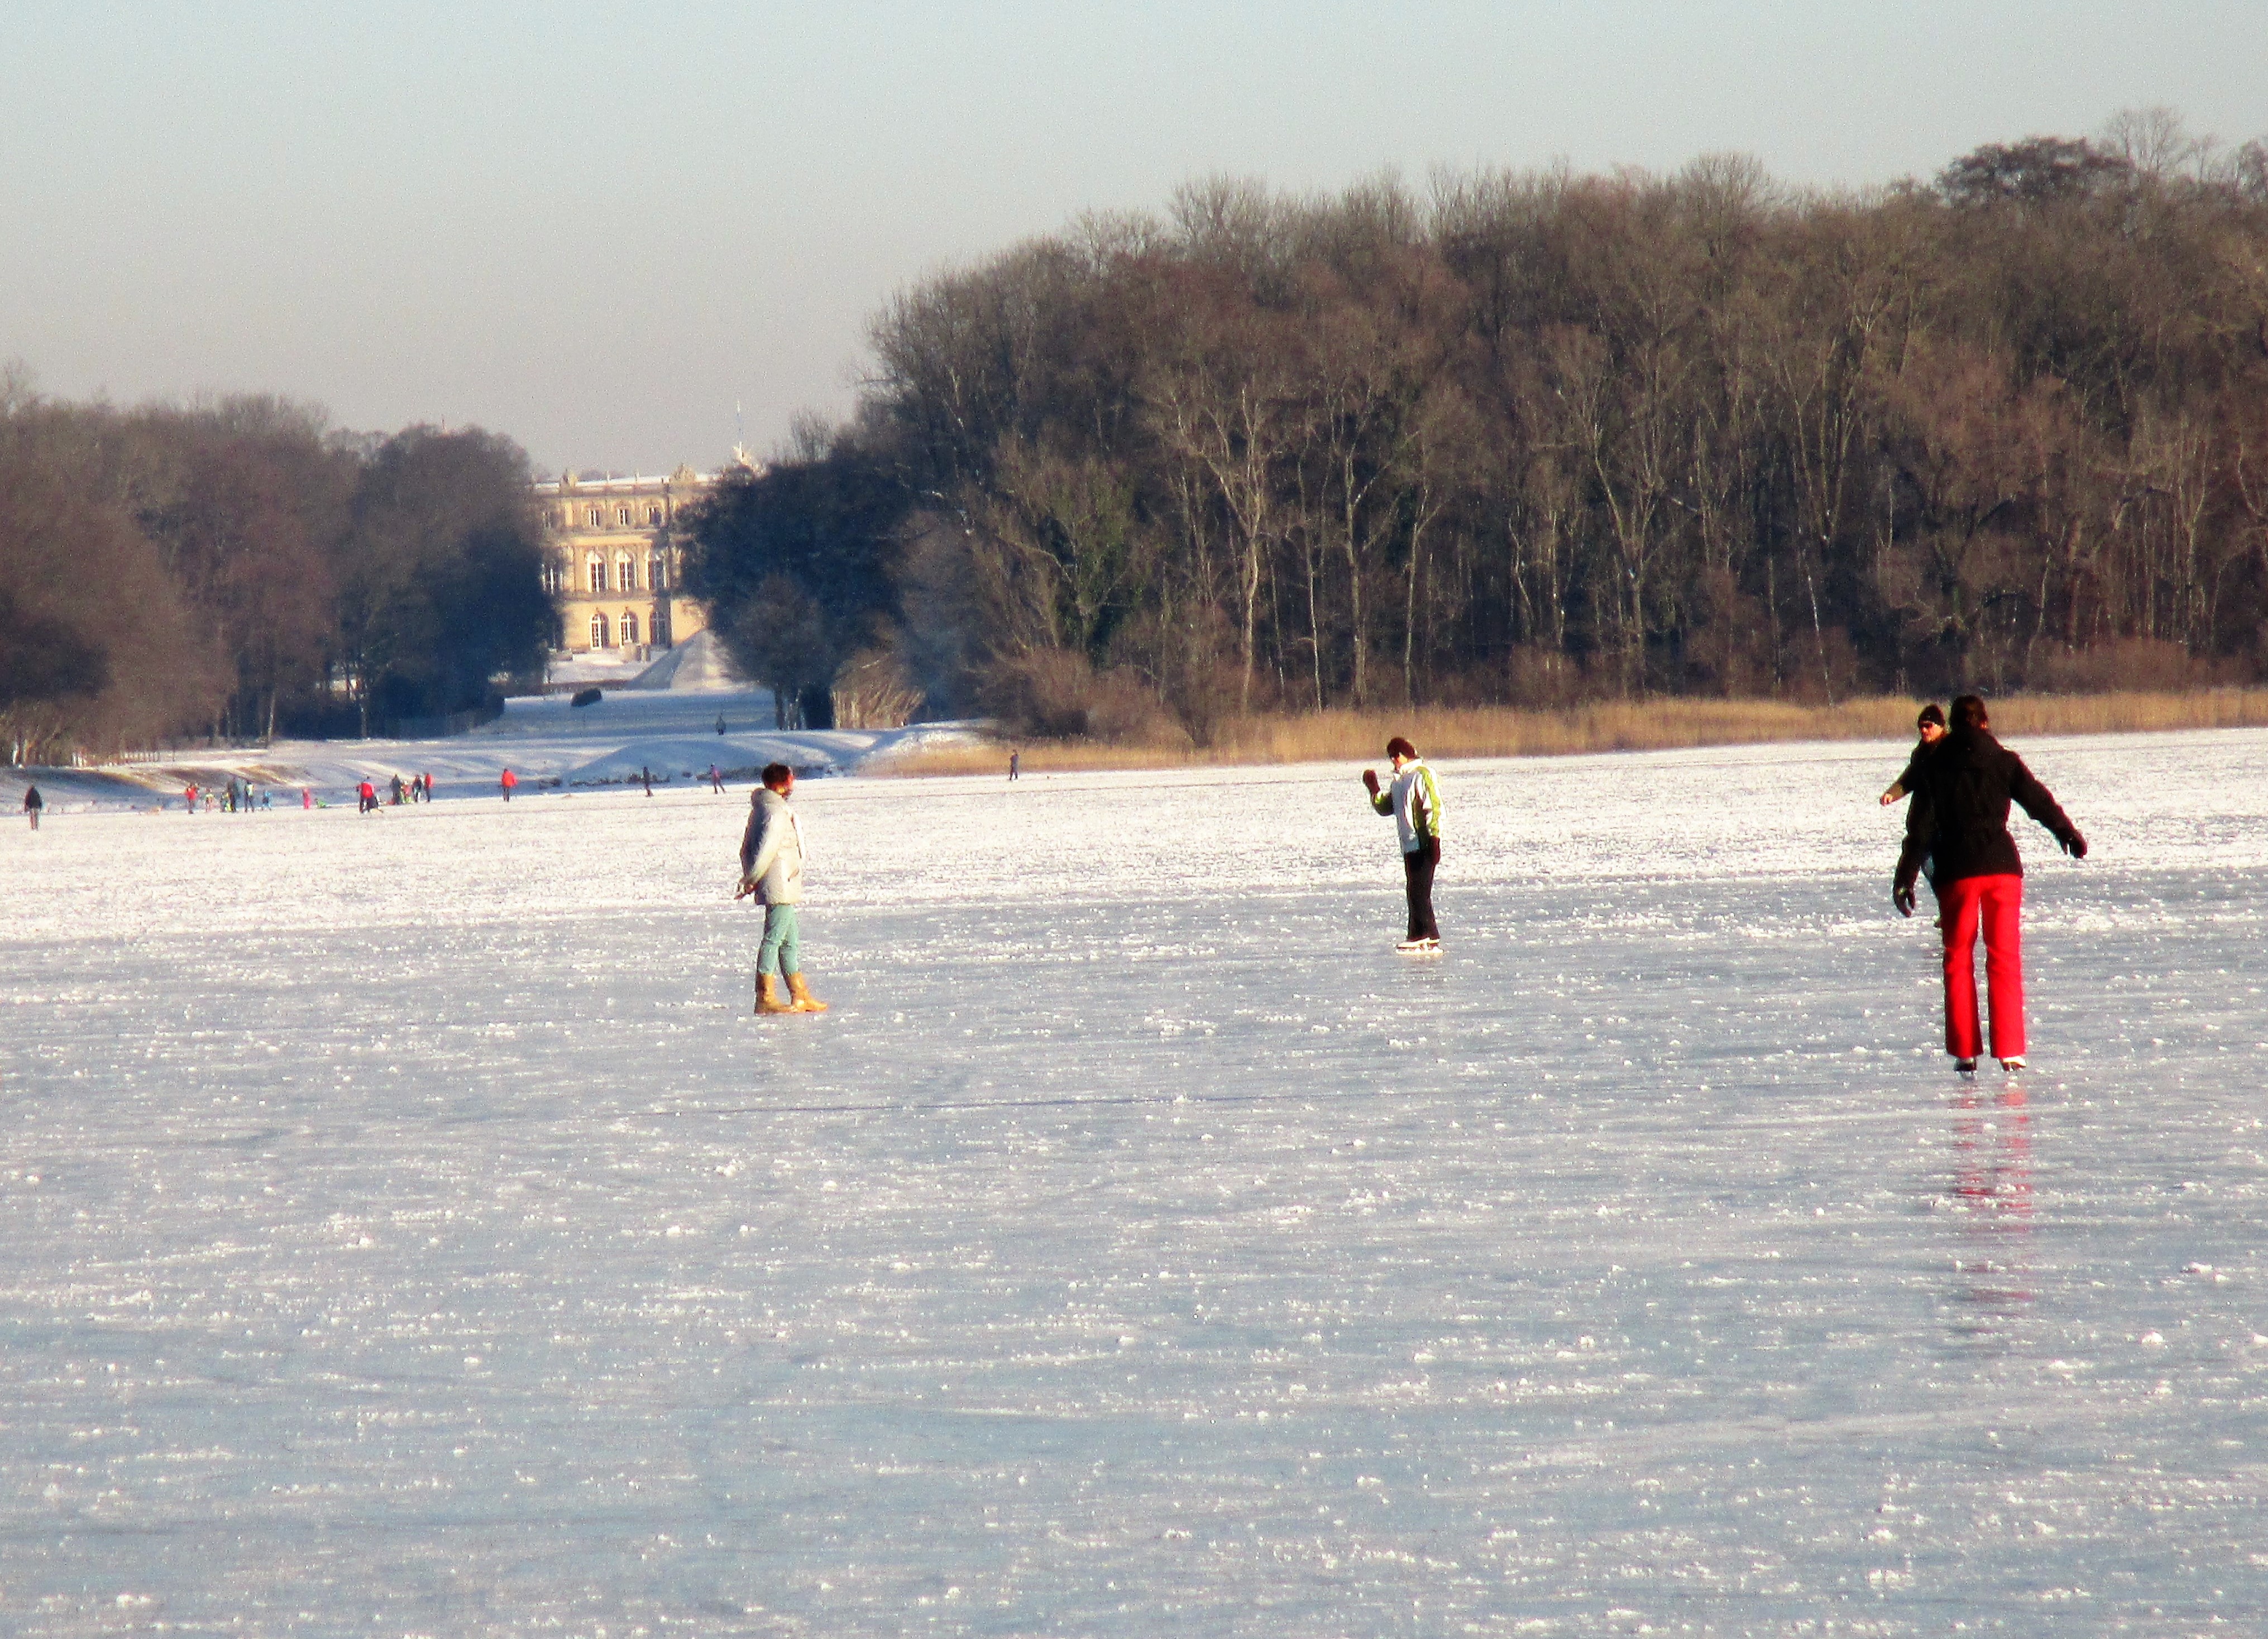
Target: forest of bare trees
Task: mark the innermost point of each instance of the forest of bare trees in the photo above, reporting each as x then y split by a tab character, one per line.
1532	437
230	570
1521	439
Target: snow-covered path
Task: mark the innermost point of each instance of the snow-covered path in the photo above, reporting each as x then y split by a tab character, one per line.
404	1229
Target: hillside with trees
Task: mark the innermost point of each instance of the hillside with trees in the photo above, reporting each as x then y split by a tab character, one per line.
1533	438
238	569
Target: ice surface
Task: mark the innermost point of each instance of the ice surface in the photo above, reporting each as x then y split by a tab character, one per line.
404	1229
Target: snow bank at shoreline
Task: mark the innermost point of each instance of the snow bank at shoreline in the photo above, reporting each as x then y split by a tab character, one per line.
548	742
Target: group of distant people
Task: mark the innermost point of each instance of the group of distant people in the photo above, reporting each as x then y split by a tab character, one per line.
418	787
236	798
1959	784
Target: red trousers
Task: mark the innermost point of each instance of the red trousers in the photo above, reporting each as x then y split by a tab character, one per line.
1996	904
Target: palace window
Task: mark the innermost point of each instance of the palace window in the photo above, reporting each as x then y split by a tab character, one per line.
653	517
629	627
656	574
597	517
626	574
598	571
658	632
598	632
623	516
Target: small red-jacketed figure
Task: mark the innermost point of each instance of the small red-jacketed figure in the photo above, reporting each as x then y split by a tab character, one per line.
509	783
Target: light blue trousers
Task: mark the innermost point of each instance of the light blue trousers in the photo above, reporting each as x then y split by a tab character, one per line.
782	951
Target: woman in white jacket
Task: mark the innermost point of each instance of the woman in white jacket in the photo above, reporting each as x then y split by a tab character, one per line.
771	871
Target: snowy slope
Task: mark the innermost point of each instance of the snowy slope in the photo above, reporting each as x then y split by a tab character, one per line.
406	1229
545	740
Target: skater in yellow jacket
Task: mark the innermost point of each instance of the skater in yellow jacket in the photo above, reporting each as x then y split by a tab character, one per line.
1414	799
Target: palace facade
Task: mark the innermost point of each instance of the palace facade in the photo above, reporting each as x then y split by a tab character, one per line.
614	562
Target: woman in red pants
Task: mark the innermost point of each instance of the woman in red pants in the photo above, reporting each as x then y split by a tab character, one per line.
1959	817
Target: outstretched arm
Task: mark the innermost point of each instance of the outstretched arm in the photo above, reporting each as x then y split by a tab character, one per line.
2038	802
1907	780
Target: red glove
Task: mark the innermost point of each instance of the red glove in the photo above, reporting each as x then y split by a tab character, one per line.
1369	781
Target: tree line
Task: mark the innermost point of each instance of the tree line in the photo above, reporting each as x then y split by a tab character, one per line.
1531	437
241	569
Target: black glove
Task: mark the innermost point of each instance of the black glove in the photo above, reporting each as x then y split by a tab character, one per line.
1369	781
2075	845
1902	897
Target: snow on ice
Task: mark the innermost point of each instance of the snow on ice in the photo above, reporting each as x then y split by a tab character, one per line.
405	1227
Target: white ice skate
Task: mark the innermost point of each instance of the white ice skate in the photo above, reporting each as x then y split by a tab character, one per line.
1419	947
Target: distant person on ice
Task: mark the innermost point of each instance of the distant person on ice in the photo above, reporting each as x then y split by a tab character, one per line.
366	797
1931	727
1015	762
1414	801
771	871
508	781
1960	815
32	804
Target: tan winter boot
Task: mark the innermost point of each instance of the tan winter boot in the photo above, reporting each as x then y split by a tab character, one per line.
767	999
804	1002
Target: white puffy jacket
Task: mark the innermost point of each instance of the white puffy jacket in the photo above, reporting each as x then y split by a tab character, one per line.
771	850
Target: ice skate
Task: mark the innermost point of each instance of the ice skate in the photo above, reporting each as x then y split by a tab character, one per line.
1964	1067
2013	1065
1419	947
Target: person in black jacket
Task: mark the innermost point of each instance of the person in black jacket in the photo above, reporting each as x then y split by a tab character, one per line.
1930	725
1960	815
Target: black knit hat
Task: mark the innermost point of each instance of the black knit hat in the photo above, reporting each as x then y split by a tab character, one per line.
1930	714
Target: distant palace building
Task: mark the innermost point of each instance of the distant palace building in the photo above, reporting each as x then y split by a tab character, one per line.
614	562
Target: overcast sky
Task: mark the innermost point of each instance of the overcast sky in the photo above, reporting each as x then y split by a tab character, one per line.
596	228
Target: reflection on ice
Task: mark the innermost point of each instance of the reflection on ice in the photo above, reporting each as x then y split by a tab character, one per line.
1991	1193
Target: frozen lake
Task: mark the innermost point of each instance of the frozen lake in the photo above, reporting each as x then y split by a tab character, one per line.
404	1229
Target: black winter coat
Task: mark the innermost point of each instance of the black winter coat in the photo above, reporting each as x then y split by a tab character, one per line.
1960	810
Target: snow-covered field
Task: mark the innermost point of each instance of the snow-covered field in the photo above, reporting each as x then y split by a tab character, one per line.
404	1229
545	740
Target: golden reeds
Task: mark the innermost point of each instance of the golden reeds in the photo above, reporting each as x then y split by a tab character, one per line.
1605	725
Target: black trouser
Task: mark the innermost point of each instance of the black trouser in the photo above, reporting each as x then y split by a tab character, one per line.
1417	867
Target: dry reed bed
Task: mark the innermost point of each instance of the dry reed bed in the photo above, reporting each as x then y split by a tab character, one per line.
1604	726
